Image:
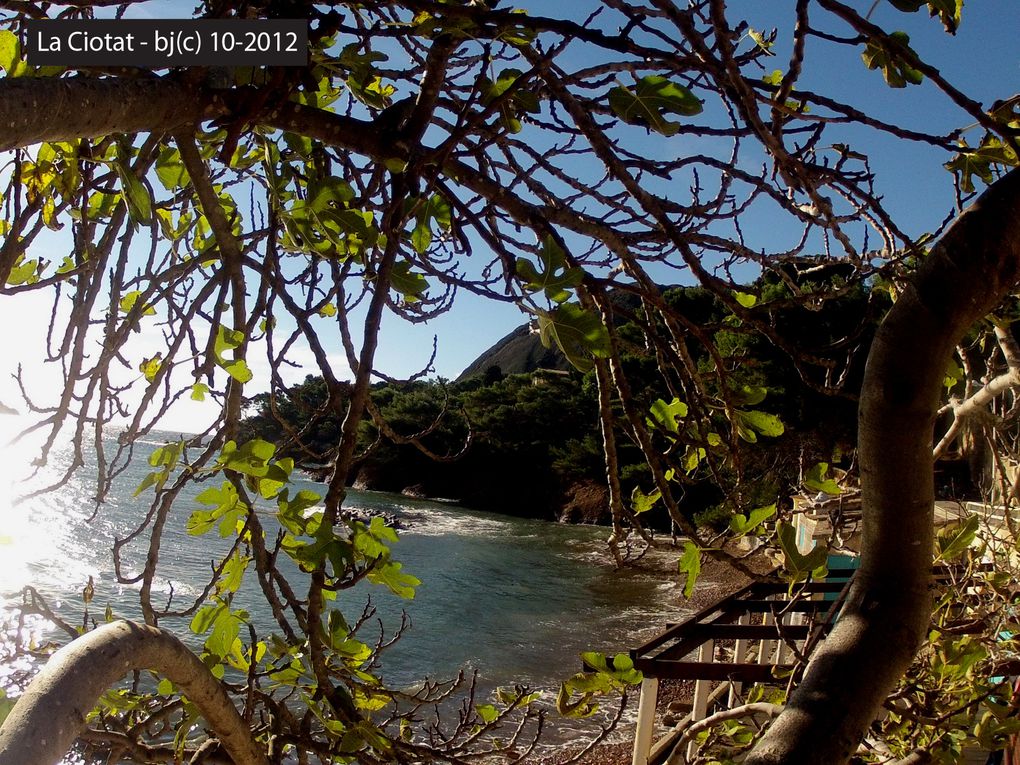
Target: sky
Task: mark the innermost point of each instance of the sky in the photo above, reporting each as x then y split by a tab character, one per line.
982	60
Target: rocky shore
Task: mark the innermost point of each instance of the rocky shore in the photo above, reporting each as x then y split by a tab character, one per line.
717	580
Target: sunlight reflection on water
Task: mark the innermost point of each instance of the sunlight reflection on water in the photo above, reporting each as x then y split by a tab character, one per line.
515	599
34	531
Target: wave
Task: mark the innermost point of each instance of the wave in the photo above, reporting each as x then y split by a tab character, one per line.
432	523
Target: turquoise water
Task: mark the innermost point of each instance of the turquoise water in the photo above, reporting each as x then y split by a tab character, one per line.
515	600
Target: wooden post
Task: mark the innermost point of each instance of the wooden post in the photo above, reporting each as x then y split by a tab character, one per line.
739	656
699	711
765	647
645	720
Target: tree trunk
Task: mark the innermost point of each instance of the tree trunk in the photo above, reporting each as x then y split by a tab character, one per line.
48	717
972	268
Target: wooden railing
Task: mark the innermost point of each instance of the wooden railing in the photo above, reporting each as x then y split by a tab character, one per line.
768	627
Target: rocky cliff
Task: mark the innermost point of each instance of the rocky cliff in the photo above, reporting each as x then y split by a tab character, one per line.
519	352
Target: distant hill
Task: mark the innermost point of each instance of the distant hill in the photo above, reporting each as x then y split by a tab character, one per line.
520	351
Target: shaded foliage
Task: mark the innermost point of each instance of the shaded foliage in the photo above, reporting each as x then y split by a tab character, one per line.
532	438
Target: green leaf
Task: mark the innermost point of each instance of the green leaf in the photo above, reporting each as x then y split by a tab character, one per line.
233	572
493	90
816	480
226	339
408	283
742	524
746	395
251	458
224	632
487	712
378	529
510	109
979	161
150	367
576	332
641	502
598	682
390	575
239	370
230	339
649	102
954	373
517	35
556	278
150	480
574	709
759	39
129	300
170	169
291	510
135	194
166	223
10	52
895	65
434	208
955	539
102	205
690	564
198	391
205	617
277	476
23	272
200	522
6	705
948	11
753	422
329	194
622	663
167	455
667	416
227	510
692	458
800	566
745	299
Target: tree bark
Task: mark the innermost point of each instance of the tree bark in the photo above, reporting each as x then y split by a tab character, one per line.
971	269
48	717
36	109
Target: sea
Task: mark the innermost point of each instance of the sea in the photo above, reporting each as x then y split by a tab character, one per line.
509	600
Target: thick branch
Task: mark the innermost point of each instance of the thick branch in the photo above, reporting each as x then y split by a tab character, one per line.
36	109
968	273
49	716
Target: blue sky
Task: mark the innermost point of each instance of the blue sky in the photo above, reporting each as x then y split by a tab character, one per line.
983	60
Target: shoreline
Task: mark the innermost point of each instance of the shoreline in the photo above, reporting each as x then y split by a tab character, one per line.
717	580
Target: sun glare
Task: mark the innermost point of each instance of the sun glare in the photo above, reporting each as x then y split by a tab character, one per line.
20	539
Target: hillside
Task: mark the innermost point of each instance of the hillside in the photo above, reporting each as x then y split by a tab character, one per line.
520	352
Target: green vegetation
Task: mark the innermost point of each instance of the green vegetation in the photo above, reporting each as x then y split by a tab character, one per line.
524	440
525	444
